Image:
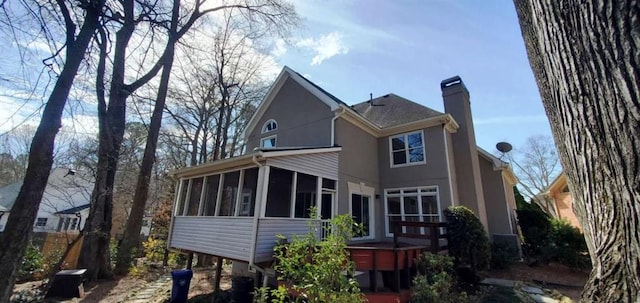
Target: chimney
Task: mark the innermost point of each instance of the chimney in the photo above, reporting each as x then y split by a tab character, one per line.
465	151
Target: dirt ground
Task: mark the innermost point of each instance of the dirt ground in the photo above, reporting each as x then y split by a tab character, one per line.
566	280
122	288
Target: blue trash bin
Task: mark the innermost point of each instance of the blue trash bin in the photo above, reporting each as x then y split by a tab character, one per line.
181	280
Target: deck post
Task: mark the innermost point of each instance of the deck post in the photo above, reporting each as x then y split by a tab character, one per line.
218	273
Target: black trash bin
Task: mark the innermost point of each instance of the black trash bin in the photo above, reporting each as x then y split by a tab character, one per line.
242	290
181	280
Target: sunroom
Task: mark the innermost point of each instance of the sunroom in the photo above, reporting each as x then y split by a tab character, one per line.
235	208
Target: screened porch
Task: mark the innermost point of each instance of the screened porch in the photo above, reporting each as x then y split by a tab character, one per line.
237	212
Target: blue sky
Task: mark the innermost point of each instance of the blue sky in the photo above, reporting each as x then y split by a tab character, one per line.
354	48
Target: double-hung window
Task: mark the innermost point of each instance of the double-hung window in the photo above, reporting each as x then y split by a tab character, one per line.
407	149
411	204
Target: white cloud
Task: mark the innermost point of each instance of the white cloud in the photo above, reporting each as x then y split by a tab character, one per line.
279	48
325	47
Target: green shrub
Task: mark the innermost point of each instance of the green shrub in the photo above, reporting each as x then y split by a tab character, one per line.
435	281
566	245
536	227
32	265
320	269
468	241
502	255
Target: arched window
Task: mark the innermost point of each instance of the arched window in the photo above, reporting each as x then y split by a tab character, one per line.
269	126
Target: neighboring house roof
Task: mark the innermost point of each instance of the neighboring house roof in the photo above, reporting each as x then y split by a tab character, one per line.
73	210
61	184
8	195
392	110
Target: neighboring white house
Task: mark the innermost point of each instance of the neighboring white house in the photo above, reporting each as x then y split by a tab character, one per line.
64	205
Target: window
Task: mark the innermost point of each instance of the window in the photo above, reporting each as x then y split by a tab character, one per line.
269	126
74	224
407	149
361	213
268	142
415	204
41	222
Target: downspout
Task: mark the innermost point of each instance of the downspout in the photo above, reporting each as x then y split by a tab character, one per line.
254	233
333	125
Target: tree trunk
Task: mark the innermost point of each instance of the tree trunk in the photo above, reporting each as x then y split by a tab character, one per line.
95	255
585	56
19	226
131	236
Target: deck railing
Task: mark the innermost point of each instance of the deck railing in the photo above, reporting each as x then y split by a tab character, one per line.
431	231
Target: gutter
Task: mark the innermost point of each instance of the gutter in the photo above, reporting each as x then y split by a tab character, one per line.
333	125
254	233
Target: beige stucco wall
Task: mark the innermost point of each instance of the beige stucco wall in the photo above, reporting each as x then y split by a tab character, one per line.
494	197
433	173
358	163
468	176
303	119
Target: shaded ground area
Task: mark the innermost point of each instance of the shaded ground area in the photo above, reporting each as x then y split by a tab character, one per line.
124	289
553	276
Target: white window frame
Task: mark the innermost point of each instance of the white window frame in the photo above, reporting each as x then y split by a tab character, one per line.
421	191
362	190
264	126
406	150
275	141
45	220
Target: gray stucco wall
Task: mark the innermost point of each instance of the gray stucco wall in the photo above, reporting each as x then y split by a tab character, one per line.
303	119
358	163
433	172
494	198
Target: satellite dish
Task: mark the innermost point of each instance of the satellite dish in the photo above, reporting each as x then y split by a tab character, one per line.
504	147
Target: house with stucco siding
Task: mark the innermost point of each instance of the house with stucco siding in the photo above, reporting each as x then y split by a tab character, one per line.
383	161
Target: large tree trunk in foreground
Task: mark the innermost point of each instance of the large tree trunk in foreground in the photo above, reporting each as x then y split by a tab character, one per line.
131	237
95	255
19	227
586	59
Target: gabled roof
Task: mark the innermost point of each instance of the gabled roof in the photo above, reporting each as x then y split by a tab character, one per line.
392	110
73	210
398	114
288	73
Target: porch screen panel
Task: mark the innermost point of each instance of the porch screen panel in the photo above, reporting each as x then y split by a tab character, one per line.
279	193
211	196
306	190
248	198
182	197
229	192
194	197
